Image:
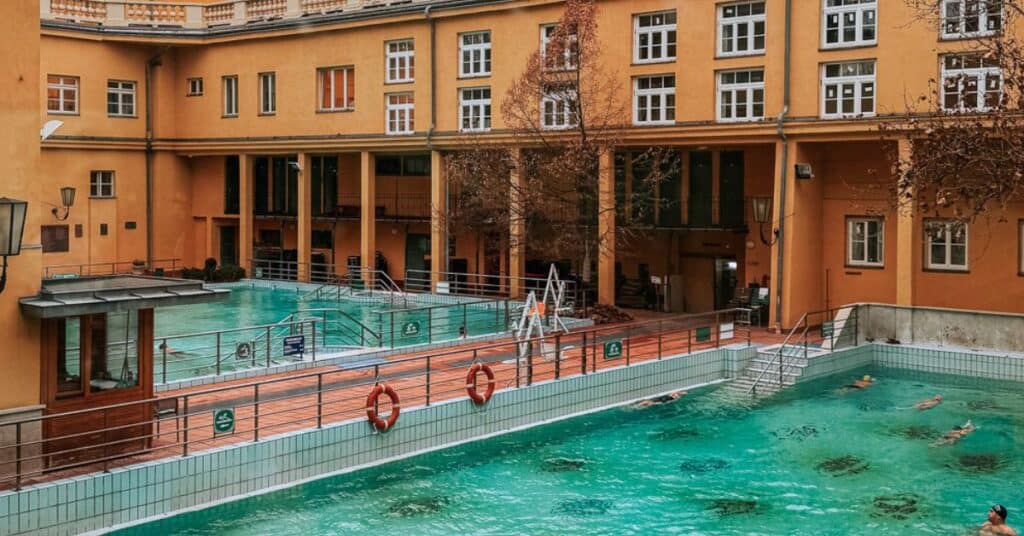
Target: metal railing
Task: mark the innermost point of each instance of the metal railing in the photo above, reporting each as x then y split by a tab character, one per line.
78	442
388	206
158	267
281	270
428	324
343	332
469	284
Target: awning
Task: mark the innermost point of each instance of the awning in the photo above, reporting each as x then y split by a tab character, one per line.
60	298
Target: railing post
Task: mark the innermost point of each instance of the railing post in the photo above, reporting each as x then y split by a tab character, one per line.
465	327
163	359
428	380
268	346
320	400
689	341
529	363
430	326
659	338
313	326
106	440
256	412
583	355
558	356
506	315
218	353
519	358
17	456
184	444
629	343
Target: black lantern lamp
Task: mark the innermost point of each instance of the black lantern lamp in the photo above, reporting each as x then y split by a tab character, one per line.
12	228
762	215
67	200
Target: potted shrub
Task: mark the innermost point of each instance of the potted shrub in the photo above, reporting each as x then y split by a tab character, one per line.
138	267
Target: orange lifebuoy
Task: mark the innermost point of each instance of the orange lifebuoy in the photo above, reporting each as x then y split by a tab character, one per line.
378	423
475	396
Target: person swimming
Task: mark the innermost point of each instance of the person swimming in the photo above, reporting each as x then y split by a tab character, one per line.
658	400
929	404
996	523
862	383
954	435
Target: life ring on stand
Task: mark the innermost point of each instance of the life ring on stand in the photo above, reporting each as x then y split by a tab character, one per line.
378	423
471	390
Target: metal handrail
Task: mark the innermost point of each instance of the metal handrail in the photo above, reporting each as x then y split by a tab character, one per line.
115	268
757	381
354	320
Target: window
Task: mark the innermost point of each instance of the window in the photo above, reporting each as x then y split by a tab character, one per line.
971	18
741	95
400	113
558	107
849	23
475	109
654	37
401	61
970	83
113	351
62	94
337	88
268	93
54	238
322	239
864	242
848	89
69	357
654	100
120	98
741	29
946	245
230	84
232	184
402	166
562	56
475	53
101	184
195	87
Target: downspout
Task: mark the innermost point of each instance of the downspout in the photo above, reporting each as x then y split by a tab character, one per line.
784	163
433	124
155	61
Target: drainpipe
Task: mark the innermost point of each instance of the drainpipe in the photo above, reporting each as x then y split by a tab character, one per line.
784	162
433	122
151	63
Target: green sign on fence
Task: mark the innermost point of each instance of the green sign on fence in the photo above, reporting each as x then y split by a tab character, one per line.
827	329
410	329
704	334
223	421
612	349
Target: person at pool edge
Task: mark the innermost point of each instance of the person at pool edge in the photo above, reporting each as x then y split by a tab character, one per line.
996	523
929	404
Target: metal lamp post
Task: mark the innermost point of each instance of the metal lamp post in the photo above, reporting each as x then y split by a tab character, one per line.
12	228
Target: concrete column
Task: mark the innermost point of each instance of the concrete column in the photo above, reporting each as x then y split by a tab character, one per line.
774	279
606	228
209	237
245	215
368	219
438	219
517	230
906	246
304	227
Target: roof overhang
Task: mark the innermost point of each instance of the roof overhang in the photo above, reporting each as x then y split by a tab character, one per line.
61	298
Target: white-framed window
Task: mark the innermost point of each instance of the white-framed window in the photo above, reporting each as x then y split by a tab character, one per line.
970	83
475	54
654	37
268	93
558	107
559	57
865	241
849	23
120	98
336	88
971	18
61	94
101	184
741	28
741	95
400	57
475	109
194	87
848	89
654	100
945	245
400	113
230	84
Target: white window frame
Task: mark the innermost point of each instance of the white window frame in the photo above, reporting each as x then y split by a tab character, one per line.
325	71
985	24
949	244
732	88
399	117
858	9
98	180
268	93
194	87
749	22
961	76
858	81
569	50
558	103
664	95
475	108
124	93
62	84
667	35
399	61
229	87
479	61
852	223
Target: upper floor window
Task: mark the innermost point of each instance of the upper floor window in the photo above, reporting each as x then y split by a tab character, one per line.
562	56
864	242
946	245
54	238
268	93
741	28
120	98
230	84
401	61
400	113
101	184
654	37
850	23
475	54
970	83
654	100
741	95
848	89
558	107
337	88
195	87
971	18
62	94
475	109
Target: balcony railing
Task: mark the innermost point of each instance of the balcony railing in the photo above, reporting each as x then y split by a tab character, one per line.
707	213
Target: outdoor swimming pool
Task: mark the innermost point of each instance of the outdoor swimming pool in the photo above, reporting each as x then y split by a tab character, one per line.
814	460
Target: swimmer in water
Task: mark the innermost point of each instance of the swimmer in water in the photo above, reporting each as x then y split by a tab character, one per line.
954	435
996	523
862	383
929	404
658	400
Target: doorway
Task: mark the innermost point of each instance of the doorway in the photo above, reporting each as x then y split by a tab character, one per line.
725	281
228	245
417	248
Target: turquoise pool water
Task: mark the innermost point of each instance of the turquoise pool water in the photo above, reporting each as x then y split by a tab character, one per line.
816	460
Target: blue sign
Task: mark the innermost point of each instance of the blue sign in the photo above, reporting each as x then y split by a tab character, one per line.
295	345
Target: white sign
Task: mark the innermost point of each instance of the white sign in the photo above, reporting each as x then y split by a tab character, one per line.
725	331
442	287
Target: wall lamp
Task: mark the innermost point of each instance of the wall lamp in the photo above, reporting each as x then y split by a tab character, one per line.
12	228
762	215
67	200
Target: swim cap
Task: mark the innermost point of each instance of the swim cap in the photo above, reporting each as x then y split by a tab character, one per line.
1000	511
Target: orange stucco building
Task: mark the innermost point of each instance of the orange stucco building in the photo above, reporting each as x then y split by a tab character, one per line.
312	131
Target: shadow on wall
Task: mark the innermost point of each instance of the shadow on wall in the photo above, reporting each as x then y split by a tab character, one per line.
972	330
